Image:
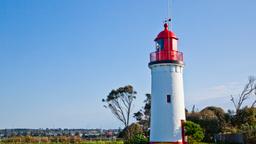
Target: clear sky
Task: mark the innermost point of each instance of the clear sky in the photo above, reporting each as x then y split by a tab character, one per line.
59	58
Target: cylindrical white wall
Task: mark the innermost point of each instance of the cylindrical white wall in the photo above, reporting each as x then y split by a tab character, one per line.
167	79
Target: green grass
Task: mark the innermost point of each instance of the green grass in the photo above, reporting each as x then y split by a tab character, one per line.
88	142
103	142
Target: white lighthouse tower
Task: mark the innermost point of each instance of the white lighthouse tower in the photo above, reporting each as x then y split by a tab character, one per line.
167	105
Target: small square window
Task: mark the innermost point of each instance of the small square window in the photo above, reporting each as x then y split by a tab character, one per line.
168	98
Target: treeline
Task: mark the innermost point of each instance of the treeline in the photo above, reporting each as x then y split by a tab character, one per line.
215	121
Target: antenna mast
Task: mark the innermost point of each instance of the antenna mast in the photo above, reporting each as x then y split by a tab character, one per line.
168	9
168	19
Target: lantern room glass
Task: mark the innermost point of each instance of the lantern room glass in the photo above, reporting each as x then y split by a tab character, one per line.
159	45
175	44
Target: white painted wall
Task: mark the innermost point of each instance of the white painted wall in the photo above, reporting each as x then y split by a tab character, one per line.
167	79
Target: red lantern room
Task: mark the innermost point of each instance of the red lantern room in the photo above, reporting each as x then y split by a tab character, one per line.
166	48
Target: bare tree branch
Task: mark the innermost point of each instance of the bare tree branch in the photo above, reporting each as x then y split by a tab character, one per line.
249	88
253	104
233	101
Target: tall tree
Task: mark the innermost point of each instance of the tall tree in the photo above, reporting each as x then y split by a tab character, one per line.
120	101
143	116
249	90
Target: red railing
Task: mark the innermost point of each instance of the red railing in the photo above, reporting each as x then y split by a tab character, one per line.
166	55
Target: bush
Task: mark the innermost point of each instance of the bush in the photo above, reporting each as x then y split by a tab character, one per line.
249	132
138	139
245	115
134	134
129	132
194	132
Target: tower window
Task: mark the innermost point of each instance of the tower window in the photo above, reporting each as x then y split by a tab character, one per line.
168	98
159	45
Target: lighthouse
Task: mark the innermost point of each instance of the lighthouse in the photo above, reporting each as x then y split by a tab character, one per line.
167	105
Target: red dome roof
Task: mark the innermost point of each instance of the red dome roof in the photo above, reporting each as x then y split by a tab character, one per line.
166	33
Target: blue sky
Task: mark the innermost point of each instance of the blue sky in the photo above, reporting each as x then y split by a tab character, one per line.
59	58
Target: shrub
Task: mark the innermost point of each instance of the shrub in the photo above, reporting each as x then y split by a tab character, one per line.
130	131
138	139
194	132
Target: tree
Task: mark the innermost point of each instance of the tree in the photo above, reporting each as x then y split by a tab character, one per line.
246	116
143	115
194	132
245	120
217	113
211	119
120	102
249	89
